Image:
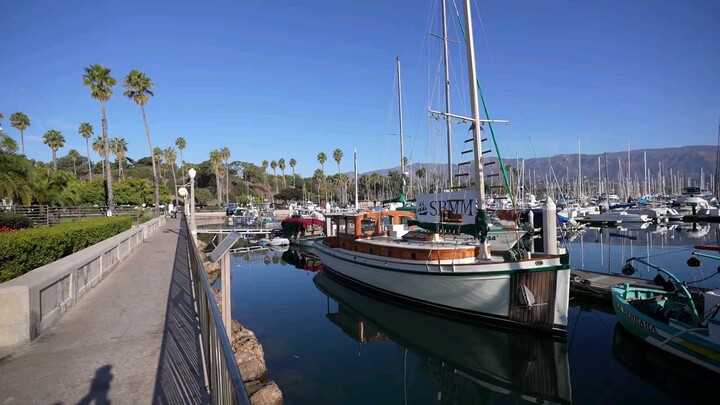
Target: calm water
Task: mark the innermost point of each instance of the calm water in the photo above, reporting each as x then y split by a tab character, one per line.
327	343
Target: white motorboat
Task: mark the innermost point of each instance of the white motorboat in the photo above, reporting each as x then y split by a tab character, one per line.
276	241
612	217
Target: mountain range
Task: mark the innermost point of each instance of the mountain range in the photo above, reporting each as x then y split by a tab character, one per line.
687	160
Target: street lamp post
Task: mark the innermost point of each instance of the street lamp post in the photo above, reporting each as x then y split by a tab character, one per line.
192	172
182	191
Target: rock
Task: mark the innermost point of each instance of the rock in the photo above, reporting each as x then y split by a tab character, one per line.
252	387
201	245
269	394
251	367
244	340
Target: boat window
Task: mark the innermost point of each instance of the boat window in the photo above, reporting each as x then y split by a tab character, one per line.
385	223
350	228
368	225
341	226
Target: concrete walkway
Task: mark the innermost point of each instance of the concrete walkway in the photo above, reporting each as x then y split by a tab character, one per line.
133	339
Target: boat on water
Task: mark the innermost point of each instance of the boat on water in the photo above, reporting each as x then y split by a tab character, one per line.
613	217
379	251
470	362
668	318
302	231
691	200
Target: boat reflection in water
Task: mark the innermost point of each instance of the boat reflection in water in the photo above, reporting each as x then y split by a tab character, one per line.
302	258
470	362
684	380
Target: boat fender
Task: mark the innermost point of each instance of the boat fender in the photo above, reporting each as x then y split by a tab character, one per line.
693	262
526	296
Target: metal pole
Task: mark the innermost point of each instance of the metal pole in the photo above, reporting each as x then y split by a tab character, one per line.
447	95
402	146
646	190
357	207
193	225
475	109
226	294
579	171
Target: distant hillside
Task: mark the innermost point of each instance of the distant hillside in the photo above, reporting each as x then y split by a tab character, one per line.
687	159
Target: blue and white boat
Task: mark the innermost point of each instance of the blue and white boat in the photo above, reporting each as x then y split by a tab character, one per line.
668	318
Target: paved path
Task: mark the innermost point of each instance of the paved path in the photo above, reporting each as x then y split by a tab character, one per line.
131	340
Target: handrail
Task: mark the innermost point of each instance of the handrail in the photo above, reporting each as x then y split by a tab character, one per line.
225	384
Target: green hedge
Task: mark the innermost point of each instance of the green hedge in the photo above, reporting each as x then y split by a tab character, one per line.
14	221
25	250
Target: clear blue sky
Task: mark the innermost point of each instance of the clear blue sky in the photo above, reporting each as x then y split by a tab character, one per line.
275	79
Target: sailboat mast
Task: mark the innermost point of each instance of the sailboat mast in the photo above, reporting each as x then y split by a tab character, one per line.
579	171
474	109
402	146
447	96
356	182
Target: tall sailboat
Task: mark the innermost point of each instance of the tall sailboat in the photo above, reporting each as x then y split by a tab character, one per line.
451	270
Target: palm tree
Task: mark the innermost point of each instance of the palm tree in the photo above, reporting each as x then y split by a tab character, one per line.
420	173
171	158
293	163
216	162
101	83
181	144
55	140
322	158
7	144
337	157
281	165
264	166
99	148
20	121
225	154
119	147
157	156
319	178
138	86
273	165
16	173
74	157
86	130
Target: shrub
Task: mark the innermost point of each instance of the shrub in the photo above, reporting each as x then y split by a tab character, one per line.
15	221
23	251
146	216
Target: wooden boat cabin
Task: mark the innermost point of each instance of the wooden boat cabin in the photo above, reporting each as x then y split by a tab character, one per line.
386	233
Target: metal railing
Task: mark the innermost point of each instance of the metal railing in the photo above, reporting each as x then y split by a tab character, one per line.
224	379
44	215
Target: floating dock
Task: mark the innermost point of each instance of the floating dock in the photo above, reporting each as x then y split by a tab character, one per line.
591	284
596	285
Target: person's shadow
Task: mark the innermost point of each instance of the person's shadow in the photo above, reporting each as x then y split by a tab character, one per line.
99	387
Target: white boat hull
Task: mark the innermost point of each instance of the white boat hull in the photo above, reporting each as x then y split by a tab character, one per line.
484	291
306	241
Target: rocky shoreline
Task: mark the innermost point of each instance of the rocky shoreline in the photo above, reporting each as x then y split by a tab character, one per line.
247	350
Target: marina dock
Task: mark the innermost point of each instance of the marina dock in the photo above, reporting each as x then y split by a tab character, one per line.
591	284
